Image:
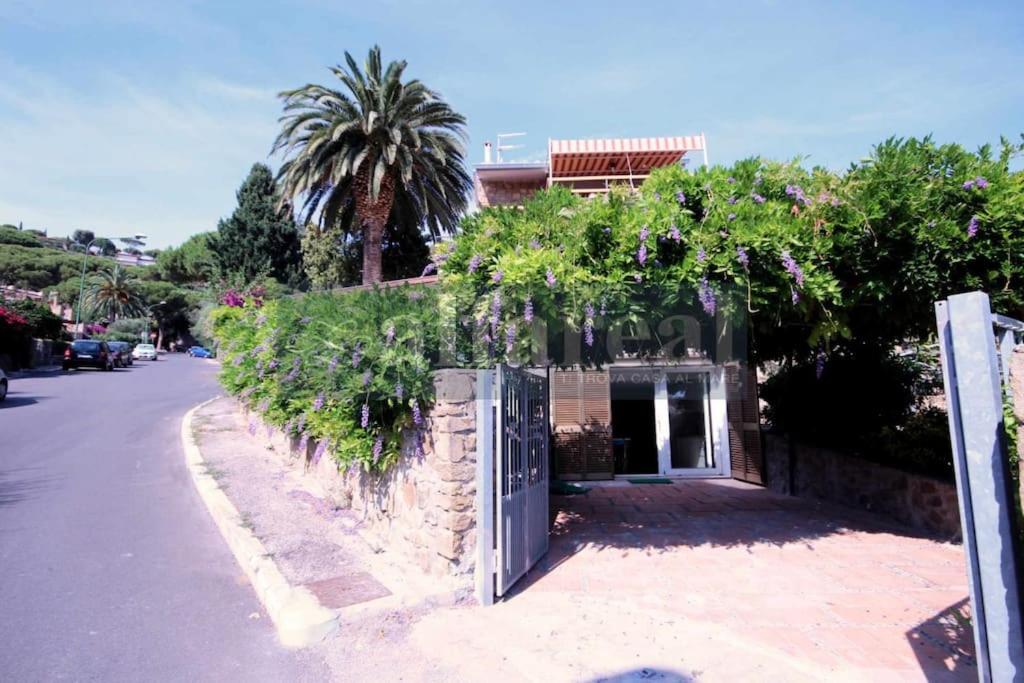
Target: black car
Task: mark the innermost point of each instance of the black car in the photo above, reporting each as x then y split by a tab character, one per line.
122	353
88	353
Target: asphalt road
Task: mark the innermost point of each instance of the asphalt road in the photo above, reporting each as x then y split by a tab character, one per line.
110	567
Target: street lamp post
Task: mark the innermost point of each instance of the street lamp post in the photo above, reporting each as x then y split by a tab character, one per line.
134	240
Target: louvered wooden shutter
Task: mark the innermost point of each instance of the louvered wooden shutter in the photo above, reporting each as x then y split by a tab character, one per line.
581	413
744	420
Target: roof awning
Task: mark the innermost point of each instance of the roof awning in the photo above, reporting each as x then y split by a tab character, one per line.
618	156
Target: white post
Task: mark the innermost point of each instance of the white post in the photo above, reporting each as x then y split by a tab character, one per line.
704	148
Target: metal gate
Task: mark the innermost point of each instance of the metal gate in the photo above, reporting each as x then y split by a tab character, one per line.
975	403
521	473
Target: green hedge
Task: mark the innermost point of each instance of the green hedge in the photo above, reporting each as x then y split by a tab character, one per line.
351	371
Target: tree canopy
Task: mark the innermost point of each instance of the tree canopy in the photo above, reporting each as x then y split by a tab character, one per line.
379	152
258	239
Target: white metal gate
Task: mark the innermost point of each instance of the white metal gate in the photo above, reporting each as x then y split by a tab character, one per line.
521	474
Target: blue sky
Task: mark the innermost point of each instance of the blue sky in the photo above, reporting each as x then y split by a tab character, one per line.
138	116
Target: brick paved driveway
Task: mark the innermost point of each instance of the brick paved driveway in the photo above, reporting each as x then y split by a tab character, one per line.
842	591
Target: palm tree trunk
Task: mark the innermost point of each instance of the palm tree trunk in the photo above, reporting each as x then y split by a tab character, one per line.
374	216
373	234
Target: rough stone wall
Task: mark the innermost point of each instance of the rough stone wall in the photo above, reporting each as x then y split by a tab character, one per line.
912	499
504	193
423	509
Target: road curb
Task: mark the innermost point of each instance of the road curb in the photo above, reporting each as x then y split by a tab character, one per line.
299	617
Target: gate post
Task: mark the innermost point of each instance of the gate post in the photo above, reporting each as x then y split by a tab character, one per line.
484	571
974	396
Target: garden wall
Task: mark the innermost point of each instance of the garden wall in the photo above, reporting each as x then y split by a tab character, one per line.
423	509
913	499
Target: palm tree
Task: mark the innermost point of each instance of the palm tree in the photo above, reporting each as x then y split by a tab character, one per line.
113	295
379	153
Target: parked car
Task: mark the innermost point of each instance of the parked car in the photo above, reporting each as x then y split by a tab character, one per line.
3	385
88	353
144	352
200	352
122	353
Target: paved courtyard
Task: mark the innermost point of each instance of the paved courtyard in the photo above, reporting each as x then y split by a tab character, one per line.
838	588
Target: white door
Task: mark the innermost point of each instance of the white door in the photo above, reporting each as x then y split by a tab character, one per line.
690	422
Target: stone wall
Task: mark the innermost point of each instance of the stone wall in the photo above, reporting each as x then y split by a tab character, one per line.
915	500
423	510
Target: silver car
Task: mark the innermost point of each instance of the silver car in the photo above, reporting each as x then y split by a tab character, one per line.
144	352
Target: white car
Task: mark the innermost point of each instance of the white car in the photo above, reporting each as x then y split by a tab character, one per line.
3	385
144	352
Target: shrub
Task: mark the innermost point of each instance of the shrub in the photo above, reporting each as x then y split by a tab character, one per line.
350	370
41	322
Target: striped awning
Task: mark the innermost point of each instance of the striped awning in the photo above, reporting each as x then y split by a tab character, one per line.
618	156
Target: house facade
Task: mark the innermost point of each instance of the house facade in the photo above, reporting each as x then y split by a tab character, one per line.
695	415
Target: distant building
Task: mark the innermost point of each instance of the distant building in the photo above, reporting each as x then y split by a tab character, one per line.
128	259
586	167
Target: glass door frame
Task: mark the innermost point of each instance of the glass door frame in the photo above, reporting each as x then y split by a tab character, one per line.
716	431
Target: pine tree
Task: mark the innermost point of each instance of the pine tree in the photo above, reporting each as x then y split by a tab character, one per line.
258	240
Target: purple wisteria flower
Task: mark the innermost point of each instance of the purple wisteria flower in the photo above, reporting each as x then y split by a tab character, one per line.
253	426
261	319
305	320
321	448
793	268
399	391
550	278
495	312
318	402
819	363
980	182
417	416
797	193
378	448
604	307
702	255
680	197
743	258
301	424
429	269
238	360
264	405
304	441
528	310
272	365
270	431
730	180
474	263
707	297
732	200
645	232
675	234
638	277
364	417
534	243
657	196
294	372
972	227
389	336
588	325
641	254
356	356
332	364
731	217
510	337
758	199
288	427
794	295
498	276
367	378
968	185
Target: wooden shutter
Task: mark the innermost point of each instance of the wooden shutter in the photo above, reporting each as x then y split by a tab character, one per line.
744	420
581	415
